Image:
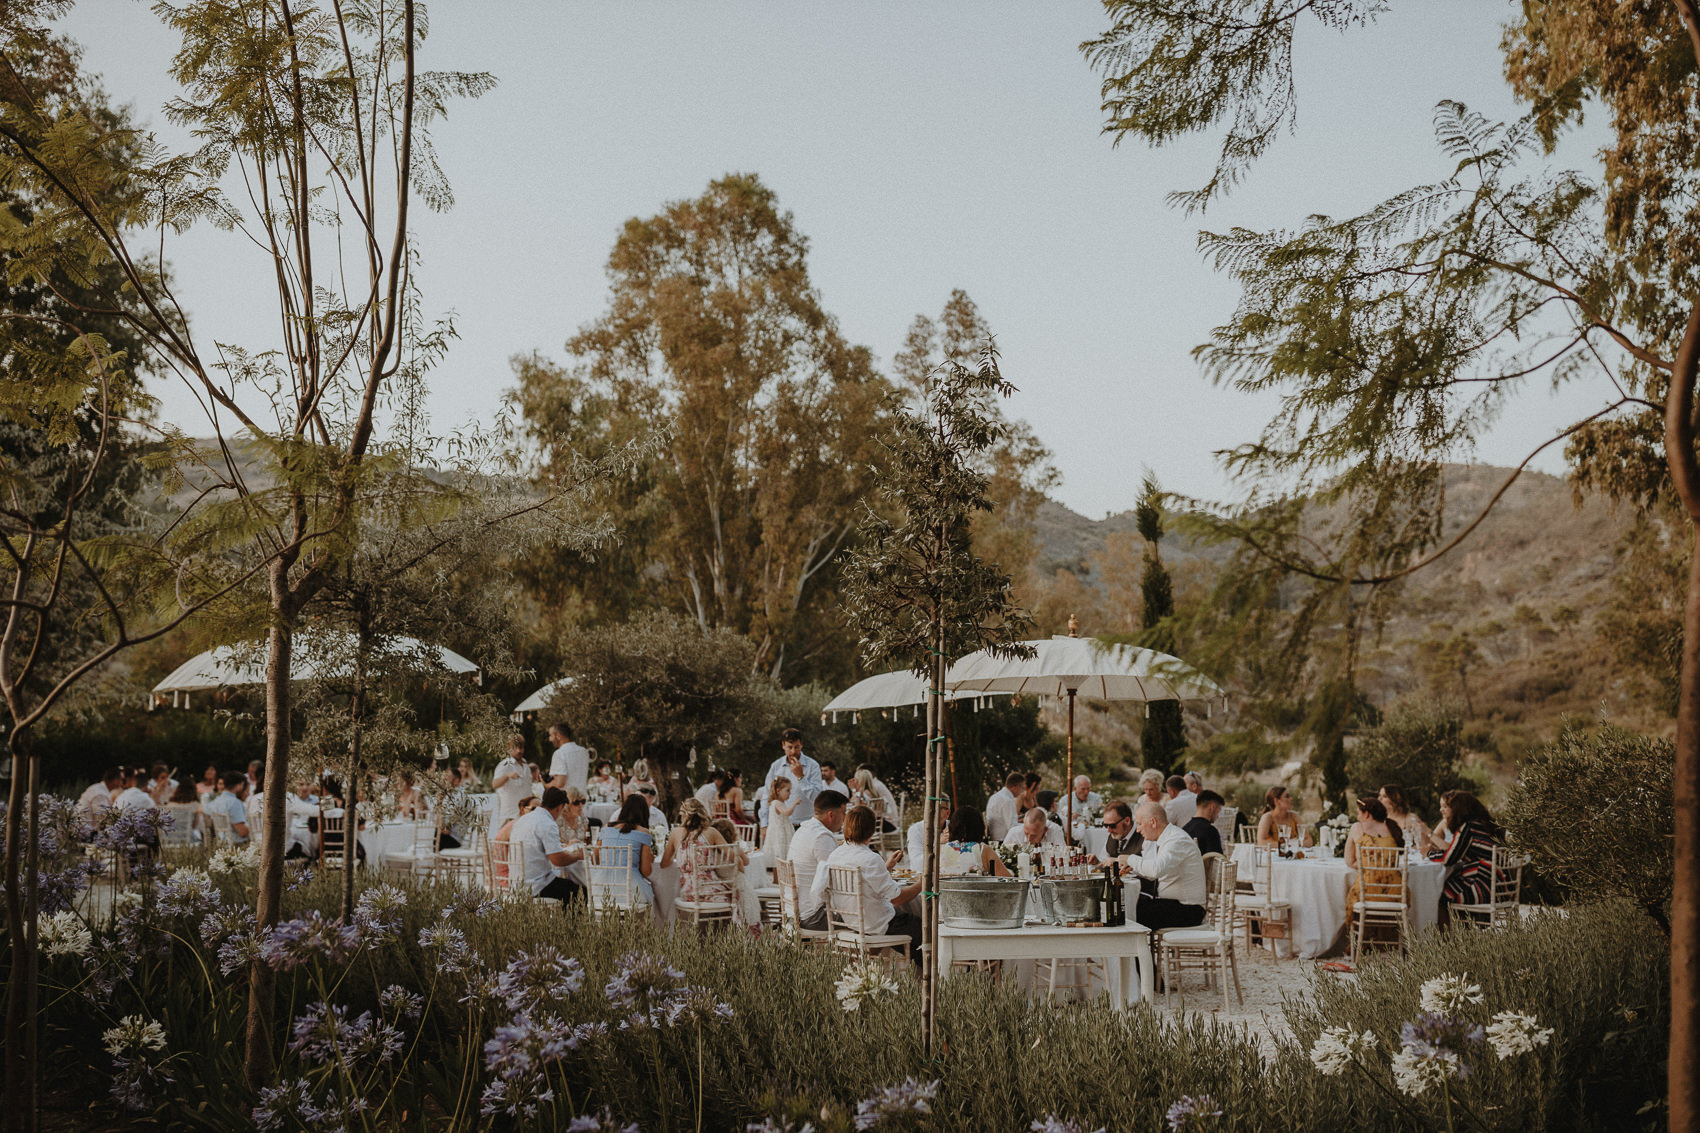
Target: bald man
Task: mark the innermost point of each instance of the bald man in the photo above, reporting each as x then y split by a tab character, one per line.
1171	872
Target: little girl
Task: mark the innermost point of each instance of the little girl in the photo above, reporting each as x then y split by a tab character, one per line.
780	807
749	907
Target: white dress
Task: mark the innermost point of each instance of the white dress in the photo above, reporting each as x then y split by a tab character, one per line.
779	831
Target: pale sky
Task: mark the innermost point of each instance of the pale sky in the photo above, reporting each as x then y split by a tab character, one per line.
922	146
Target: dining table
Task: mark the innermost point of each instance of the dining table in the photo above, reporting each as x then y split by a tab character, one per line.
1122	947
1315	887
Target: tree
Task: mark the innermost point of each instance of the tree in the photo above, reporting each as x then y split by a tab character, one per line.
1163	737
716	336
1418	744
1398	335
916	592
1620	844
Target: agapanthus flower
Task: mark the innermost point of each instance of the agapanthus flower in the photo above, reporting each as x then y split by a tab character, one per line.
231	859
641	977
225	922
1051	1123
65	934
519	1055
326	1034
400	1003
1448	994
584	1033
1416	1068
454	955
378	912
1192	1113
473	904
279	1104
300	873
308	938
541	977
863	980
1512	1033
1336	1048
1443	1032
695	1006
132	1036
599	1123
242	949
188	893
896	1101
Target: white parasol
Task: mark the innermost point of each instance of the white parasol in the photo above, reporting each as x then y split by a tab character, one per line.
540	699
900	689
231	666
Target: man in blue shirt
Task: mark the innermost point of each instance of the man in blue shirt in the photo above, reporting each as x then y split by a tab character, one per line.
803	772
229	803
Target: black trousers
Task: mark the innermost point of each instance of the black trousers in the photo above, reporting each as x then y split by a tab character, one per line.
1161	912
563	889
907	924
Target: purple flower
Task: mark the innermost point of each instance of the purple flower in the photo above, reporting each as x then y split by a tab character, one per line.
378	912
896	1101
223	923
309	938
326	1034
772	1125
292	1100
542	977
474	904
450	942
586	1032
300	873
243	949
1191	1113
599	1123
695	1006
642	976
1051	1123
1431	1035
519	1055
188	893
403	1003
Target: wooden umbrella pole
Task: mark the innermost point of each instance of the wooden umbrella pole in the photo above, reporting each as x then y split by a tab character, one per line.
1068	830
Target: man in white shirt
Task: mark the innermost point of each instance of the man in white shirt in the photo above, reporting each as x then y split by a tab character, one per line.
802	770
538	833
1036	830
810	845
228	802
97	799
880	892
1086	800
709	793
1002	813
1171	860
299	810
511	782
571	764
1181	804
134	796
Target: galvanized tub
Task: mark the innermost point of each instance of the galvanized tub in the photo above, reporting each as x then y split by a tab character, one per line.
1060	900
982	902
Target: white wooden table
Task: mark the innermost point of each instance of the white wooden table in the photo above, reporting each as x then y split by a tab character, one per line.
1052	942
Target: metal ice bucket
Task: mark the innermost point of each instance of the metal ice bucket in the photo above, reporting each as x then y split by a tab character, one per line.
982	902
1060	900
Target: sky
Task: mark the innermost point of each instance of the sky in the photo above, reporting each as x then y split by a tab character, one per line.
922	145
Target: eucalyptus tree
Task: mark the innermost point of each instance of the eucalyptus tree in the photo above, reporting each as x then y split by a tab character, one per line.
916	593
319	116
1397	336
715	333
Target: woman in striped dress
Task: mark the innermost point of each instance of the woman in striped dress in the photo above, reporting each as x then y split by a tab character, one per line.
1468	858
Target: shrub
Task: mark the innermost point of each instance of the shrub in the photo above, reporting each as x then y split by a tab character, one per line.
1418	745
1594	810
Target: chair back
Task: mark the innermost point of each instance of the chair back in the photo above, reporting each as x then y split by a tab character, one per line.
180	831
507	866
748	832
1219	907
844	899
722	808
1245	835
612	872
790	904
333	849
703	864
1226	821
1212	866
222	832
1383	874
1507	882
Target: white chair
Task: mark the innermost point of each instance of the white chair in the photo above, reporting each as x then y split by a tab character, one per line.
463	865
1211	944
1258	913
1507	893
181	830
844	917
612	872
1383	885
711	874
420	855
221	829
790	908
507	871
1226	821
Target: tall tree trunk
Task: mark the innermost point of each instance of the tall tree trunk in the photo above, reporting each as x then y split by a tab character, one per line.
350	815
262	981
20	1014
930	840
1684	1066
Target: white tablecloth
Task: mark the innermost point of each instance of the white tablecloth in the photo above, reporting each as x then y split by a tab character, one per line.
1095	838
391	837
1124	947
1316	890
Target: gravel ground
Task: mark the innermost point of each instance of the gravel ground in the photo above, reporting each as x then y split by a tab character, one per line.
1267	983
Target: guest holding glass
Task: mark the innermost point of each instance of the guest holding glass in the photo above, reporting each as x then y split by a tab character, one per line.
1417	834
1280	821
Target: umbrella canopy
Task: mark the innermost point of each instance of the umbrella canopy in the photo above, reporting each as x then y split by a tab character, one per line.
900	689
1085	667
540	699
230	666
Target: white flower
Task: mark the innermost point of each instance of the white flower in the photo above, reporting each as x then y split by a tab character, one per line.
1338	1047
863	981
1416	1068
129	899
1513	1032
132	1035
1449	994
189	873
659	833
64	934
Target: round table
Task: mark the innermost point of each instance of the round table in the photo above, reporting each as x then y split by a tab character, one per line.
393	837
1316	888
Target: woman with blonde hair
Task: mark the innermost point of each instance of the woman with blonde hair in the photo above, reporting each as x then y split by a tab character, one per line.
1151	785
640	779
694	829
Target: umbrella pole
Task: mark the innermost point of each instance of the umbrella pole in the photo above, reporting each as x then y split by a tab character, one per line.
1068	830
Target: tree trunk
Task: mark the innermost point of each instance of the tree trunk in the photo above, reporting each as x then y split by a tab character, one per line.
1683	1070
350	814
20	1016
262	981
929	840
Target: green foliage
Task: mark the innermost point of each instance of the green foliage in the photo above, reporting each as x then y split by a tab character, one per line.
1418	745
1642	620
75	749
1162	738
1619	842
1238	752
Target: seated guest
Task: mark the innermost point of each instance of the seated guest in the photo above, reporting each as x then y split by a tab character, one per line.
1036	830
1416	831
604	787
1373	828
1194	783
454	802
1047	802
302	811
537	833
1151	786
184	807
1002	814
1201	827
1278	814
1171	872
966	850
1181	803
640	779
97	799
1124	838
1468	858
915	839
469	776
228	802
135	794
813	842
505	834
656	818
208	785
880	893
409	799
1029	797
709	791
160	784
1086	800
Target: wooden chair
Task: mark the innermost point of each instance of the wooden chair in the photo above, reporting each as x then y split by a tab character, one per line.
222	834
1211	944
722	808
420	855
507	871
844	917
333	846
1507	894
714	898
1383	896
1245	835
612	873
790	908
1260	915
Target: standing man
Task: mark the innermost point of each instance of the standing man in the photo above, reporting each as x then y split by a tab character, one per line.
512	781
810	846
803	772
538	831
571	765
1002	813
1201	827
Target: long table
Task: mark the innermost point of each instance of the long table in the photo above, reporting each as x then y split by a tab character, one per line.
1123	945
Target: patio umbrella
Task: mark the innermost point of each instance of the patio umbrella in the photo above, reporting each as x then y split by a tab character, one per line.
231	666
540	699
899	689
1082	666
